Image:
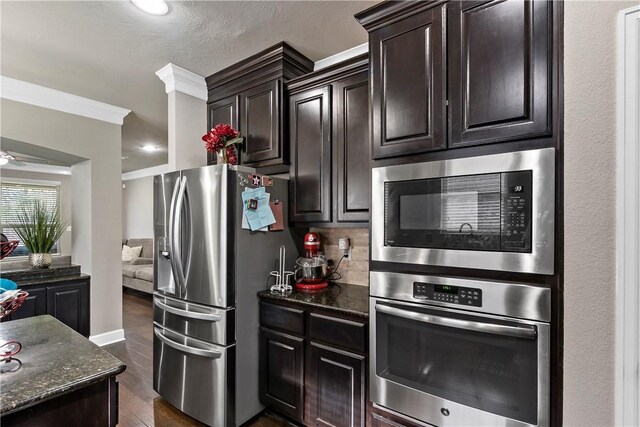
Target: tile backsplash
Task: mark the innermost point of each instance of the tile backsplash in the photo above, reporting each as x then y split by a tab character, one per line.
356	270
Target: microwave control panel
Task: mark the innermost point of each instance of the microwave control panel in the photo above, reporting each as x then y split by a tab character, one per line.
516	212
447	293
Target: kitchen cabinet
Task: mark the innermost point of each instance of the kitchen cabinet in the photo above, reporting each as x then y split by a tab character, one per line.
250	95
316	375
337	380
310	139
408	105
282	372
330	146
64	297
69	303
499	71
457	74
222	111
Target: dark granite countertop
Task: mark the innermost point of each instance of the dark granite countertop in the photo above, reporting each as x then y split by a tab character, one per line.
53	274
339	297
55	360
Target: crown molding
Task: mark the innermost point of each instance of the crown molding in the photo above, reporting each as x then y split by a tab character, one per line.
143	173
178	79
40	96
341	56
40	168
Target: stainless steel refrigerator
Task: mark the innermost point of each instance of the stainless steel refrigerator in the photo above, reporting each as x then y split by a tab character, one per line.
208	270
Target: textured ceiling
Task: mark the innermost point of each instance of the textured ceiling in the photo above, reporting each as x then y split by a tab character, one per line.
109	51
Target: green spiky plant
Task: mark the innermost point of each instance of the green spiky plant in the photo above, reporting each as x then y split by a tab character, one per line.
41	227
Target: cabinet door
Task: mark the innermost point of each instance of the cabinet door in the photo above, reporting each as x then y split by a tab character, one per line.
310	121
499	70
282	372
352	147
337	387
70	305
259	124
408	85
34	305
222	111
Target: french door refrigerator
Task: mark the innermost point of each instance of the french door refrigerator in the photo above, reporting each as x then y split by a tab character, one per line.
208	270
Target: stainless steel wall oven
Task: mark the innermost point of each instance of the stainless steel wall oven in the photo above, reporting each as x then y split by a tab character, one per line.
452	351
492	212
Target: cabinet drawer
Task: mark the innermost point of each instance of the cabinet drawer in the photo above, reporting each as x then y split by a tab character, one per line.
341	332
284	318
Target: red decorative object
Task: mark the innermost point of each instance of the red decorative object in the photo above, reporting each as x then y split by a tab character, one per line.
221	139
8	247
9	306
312	244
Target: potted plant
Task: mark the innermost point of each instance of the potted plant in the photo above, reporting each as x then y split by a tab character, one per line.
41	228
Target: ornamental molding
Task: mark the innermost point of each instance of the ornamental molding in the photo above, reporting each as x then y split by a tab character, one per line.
178	79
41	96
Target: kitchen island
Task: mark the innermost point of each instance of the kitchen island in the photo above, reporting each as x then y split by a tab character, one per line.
64	379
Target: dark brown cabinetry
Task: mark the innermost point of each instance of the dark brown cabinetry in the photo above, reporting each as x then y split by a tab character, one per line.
310	137
408	85
69	304
65	298
250	93
222	111
458	73
499	70
329	136
313	365
282	372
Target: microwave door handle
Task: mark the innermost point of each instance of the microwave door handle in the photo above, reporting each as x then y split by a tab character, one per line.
490	328
185	348
212	317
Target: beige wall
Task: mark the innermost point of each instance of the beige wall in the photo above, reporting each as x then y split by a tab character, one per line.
589	310
97	196
65	196
137	208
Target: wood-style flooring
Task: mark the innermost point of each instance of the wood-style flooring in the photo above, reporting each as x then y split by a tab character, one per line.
140	406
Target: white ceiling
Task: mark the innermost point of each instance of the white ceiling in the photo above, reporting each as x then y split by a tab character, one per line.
109	51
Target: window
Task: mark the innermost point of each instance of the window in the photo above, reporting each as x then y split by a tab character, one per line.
14	196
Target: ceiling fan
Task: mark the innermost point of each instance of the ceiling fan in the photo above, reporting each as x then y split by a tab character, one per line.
18	160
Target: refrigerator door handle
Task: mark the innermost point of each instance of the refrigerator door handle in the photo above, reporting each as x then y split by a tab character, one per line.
185	348
172	208
212	317
187	267
177	238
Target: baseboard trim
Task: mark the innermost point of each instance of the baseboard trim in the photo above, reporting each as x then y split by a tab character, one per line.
106	338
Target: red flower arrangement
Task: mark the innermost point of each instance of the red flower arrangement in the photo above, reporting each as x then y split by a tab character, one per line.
222	139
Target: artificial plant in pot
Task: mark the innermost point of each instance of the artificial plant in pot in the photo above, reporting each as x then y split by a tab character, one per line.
41	227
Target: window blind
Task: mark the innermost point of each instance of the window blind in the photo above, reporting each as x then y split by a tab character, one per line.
14	197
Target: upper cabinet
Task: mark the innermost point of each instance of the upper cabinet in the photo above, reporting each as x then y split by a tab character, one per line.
499	70
250	96
330	146
459	73
408	80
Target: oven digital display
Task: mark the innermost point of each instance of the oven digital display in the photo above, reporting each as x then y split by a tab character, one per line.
446	289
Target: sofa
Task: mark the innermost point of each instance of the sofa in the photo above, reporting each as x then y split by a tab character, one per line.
138	273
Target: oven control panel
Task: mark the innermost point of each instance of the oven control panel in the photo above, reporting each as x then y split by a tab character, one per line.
447	293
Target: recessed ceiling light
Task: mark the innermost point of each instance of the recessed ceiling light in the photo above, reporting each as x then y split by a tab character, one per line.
152	7
150	148
3	161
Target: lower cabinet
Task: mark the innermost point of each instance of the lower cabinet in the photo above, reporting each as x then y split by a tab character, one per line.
282	372
67	301
313	377
337	387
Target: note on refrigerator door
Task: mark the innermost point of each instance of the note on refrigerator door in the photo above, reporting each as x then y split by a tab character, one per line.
256	210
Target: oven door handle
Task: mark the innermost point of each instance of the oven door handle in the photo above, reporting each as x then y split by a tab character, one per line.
489	328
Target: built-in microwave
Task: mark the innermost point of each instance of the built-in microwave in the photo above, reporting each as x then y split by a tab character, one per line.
493	212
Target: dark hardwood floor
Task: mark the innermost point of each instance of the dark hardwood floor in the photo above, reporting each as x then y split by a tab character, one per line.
140	406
